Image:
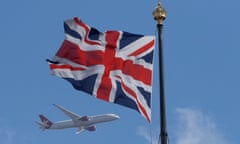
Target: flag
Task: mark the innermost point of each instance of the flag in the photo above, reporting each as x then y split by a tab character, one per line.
114	66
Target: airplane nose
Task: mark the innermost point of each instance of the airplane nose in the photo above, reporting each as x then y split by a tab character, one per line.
114	116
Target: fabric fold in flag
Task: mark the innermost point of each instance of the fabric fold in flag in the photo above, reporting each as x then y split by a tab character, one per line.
114	66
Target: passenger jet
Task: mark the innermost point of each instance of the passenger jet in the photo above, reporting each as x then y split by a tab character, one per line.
80	122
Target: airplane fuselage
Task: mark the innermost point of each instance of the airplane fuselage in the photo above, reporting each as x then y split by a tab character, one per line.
84	124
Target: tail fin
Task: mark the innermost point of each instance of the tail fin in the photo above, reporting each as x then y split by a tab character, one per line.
46	124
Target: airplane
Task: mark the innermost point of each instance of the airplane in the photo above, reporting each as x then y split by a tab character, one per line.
81	122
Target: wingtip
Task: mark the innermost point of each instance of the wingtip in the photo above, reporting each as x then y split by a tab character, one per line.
55	105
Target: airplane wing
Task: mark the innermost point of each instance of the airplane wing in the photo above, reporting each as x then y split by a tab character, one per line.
72	115
80	130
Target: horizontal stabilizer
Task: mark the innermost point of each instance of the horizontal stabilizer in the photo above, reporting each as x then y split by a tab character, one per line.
42	127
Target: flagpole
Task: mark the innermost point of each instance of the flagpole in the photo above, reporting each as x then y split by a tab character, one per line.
159	14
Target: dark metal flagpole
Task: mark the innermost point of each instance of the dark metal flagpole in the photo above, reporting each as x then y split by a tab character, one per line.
159	14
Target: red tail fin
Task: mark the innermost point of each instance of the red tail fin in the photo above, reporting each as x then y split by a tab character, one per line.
47	123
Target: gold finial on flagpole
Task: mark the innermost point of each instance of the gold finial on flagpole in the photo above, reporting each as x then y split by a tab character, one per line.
159	13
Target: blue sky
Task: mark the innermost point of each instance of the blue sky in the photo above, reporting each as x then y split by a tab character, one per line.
202	67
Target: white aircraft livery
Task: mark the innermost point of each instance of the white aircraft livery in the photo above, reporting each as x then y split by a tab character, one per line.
80	122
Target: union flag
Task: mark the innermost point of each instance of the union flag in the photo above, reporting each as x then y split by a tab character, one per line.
114	66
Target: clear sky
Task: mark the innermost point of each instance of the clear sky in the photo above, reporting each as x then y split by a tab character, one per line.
202	67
